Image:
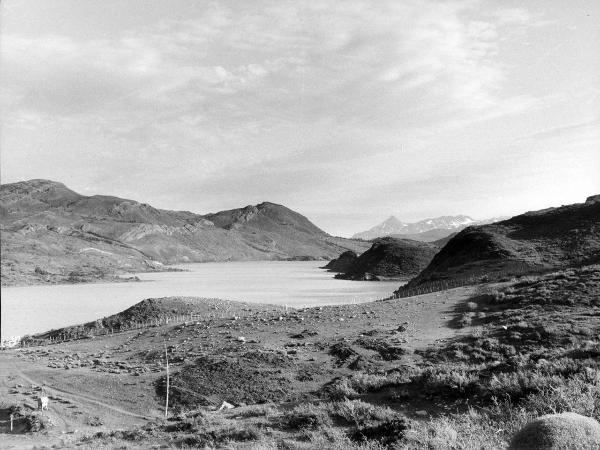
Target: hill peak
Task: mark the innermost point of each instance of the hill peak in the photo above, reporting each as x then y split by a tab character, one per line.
266	216
33	185
36	194
593	199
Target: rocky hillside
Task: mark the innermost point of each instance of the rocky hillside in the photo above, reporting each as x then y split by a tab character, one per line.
390	258
538	240
342	263
52	234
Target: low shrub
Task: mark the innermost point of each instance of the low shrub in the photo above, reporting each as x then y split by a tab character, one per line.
94	421
306	416
339	389
387	432
36	422
366	382
359	413
256	411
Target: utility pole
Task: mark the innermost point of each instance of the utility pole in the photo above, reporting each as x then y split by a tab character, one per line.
167	399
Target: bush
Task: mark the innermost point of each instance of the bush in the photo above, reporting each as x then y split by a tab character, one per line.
218	436
339	389
388	432
365	382
94	421
36	422
387	351
256	411
579	394
306	416
466	320
360	413
342	351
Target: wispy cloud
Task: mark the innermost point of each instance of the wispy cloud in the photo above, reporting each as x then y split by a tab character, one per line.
285	97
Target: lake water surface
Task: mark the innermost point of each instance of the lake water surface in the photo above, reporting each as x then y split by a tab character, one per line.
31	309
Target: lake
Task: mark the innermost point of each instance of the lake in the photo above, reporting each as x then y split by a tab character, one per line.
32	309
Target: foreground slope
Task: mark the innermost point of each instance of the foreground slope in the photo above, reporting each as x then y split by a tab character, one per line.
539	240
464	369
51	233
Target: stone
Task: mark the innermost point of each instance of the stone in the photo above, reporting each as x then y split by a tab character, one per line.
558	431
226	405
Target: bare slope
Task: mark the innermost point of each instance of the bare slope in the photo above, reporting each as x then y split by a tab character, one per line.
538	240
50	234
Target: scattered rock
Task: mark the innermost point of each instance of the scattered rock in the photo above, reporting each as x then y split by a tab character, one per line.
225	405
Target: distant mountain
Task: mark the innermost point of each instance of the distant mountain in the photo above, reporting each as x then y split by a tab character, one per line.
548	239
427	230
390	258
393	226
51	233
429	236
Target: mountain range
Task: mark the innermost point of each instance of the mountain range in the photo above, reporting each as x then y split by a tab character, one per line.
426	230
52	234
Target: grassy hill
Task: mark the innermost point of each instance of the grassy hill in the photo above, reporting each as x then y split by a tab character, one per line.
552	238
390	258
342	263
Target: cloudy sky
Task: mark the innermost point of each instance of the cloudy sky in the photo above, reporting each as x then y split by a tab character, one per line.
346	111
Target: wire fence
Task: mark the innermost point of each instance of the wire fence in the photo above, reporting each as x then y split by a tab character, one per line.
516	270
83	332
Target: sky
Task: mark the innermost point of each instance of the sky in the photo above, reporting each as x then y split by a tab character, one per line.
345	111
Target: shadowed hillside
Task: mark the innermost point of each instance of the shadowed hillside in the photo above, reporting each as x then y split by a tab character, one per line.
342	263
52	234
538	240
390	258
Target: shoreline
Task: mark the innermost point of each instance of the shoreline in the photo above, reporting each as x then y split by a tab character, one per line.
267	282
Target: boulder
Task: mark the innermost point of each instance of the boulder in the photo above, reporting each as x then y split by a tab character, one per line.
558	431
